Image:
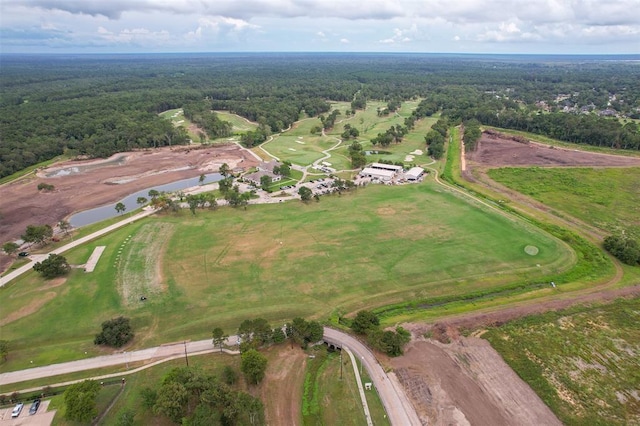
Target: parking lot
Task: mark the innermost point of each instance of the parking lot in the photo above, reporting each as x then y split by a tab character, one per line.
41	418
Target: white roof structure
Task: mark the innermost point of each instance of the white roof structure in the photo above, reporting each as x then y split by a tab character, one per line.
385	167
377	173
414	173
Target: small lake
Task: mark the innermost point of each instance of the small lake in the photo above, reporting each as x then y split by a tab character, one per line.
108	211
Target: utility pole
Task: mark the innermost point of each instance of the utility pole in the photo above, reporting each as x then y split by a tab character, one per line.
186	358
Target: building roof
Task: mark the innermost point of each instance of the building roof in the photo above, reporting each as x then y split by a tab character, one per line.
414	172
377	172
386	167
257	175
268	165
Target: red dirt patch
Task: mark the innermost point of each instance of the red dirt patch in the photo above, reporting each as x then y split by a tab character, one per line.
107	182
467	382
497	150
282	385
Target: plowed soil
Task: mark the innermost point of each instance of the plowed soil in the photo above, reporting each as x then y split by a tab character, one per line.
467	382
100	182
498	150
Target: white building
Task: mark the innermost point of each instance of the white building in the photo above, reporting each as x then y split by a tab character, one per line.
389	167
381	174
414	173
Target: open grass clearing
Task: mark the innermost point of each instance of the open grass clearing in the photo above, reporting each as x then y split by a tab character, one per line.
583	362
300	150
240	124
375	247
607	198
177	118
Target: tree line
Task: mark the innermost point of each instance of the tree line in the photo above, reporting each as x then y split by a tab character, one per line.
102	105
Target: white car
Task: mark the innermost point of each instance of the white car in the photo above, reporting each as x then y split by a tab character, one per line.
16	410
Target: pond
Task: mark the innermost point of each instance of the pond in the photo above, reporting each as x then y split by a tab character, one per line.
108	211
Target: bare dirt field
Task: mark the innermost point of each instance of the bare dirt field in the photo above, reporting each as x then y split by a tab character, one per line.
467	382
97	182
282	385
497	150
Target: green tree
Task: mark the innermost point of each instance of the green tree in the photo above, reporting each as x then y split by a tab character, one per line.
224	170
64	226
201	178
193	202
305	194
172	401
218	337
115	332
37	233
229	375
53	266
142	201
253	365
4	350
10	247
364	321
225	185
80	401
120	208
265	182
153	194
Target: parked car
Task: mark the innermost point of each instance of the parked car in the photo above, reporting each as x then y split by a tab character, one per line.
23	254
17	410
34	407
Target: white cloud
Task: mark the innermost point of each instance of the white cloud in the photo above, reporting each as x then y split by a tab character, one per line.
196	25
135	35
400	36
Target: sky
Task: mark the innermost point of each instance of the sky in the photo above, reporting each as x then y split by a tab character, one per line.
430	26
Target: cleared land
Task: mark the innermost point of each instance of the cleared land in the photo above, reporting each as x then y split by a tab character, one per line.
582	362
495	150
95	183
467	382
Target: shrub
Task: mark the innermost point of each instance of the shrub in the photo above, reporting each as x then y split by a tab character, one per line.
115	332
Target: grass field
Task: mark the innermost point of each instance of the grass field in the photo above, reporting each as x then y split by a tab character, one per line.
605	198
582	362
329	399
376	247
300	147
240	124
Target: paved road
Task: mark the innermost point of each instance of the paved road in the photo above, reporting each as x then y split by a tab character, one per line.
123	358
392	395
394	400
40	257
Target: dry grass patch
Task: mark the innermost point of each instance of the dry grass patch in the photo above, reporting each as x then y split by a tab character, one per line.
29	309
140	262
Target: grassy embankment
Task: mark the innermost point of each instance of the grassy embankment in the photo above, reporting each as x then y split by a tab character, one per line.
331	399
582	362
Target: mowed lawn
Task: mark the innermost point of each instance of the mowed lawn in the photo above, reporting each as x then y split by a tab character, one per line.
606	198
378	246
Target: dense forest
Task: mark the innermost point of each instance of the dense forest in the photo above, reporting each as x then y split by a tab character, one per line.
96	105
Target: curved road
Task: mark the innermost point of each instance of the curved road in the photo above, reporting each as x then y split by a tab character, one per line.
395	401
398	408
